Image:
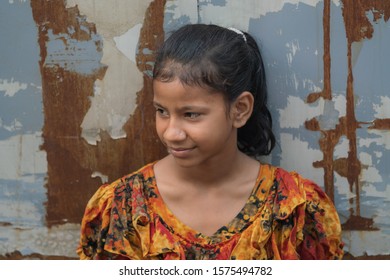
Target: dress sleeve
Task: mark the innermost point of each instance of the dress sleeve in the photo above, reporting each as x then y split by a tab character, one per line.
306	224
95	223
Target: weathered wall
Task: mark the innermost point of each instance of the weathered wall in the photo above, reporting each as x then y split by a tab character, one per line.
75	108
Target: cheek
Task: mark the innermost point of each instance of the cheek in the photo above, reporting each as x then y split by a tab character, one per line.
208	133
159	127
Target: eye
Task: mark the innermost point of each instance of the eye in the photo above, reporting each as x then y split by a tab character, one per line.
161	112
192	115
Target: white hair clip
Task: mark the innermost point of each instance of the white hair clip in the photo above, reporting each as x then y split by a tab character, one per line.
238	32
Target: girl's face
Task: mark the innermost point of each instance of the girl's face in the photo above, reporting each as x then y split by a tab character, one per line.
193	123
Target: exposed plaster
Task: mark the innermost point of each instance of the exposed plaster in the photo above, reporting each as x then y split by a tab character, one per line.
327	111
369	174
176	9
114	100
127	42
292	158
382	110
15	125
58	240
103	178
238	13
13	1
72	54
11	87
24	158
292	117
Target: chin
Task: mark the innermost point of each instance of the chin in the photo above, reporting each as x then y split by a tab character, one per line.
185	163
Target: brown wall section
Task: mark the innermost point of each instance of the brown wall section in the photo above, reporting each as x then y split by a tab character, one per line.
71	160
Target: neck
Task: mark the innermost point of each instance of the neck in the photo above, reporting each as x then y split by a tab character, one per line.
213	172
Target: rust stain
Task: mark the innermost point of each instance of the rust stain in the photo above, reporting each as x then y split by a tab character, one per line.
71	160
326	92
16	255
358	27
381	124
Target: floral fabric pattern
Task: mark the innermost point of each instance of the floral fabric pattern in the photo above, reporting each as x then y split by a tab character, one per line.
286	217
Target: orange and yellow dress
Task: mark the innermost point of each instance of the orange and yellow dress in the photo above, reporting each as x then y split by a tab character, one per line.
286	217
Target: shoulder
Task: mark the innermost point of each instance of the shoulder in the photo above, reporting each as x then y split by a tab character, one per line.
289	182
291	190
128	183
304	212
108	207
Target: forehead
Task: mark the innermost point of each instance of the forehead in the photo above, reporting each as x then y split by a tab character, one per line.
176	92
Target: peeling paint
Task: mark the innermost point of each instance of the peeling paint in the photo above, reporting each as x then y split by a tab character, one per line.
15	125
122	79
235	14
291	117
357	28
103	178
127	43
180	12
127	138
99	121
10	88
24	157
294	151
72	54
382	111
57	241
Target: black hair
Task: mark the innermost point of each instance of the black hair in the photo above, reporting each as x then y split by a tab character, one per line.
226	61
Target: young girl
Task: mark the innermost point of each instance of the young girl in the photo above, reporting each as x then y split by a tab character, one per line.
210	198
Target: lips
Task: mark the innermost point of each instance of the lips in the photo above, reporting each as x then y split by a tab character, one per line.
180	152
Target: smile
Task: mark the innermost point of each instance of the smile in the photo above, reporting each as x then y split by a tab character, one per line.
180	152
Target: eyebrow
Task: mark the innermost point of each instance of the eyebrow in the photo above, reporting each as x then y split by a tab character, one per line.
184	108
156	104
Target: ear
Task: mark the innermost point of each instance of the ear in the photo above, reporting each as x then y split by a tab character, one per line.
242	108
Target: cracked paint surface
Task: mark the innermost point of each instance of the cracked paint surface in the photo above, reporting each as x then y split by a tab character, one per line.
80	80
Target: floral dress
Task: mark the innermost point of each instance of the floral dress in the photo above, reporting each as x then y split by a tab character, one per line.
285	217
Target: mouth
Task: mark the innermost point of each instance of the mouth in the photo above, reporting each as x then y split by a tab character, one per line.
179	152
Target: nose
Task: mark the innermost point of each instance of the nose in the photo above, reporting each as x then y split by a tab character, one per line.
174	132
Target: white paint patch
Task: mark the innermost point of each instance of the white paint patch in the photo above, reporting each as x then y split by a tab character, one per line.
13	1
24	158
114	99
383	138
10	88
340	102
359	243
292	49
127	43
298	111
342	148
12	209
238	13
310	86
371	190
369	173
378	154
178	8
103	178
366	142
112	18
296	155
15	125
382	110
342	187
